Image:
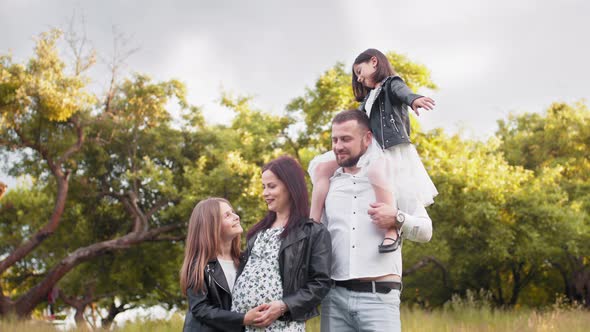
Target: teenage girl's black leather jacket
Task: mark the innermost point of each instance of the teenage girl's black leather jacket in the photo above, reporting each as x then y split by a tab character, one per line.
209	310
305	259
389	116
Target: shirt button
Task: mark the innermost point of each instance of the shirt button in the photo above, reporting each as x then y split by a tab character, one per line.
354	196
354	213
352	247
353	228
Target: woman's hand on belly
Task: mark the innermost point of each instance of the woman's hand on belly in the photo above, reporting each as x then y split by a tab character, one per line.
274	310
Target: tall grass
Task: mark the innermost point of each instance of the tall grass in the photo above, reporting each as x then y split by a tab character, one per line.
474	312
486	319
456	317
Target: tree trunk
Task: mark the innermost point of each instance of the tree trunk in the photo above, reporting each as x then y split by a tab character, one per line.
6	304
424	262
114	310
500	296
55	164
79	305
581	286
27	302
516	286
28	246
576	279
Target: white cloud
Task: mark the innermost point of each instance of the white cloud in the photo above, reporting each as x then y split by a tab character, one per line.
488	57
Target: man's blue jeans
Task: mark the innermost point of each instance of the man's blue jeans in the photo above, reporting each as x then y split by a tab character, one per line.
344	310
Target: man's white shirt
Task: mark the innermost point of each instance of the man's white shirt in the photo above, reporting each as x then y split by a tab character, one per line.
355	238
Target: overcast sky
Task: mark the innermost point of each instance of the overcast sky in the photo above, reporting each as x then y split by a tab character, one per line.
489	58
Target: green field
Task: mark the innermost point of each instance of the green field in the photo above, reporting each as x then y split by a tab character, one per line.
450	319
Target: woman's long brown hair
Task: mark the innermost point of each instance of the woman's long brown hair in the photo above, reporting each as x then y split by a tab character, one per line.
203	243
288	171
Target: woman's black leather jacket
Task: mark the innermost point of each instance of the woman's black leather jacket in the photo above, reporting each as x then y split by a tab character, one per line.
305	259
389	116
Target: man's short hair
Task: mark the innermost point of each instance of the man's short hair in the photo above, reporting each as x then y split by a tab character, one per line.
361	118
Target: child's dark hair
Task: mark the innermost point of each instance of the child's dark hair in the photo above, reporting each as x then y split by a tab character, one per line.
383	71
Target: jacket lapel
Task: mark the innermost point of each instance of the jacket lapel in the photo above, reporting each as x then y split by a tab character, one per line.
382	85
377	93
218	275
294	237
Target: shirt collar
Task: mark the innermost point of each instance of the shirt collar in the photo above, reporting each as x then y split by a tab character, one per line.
362	163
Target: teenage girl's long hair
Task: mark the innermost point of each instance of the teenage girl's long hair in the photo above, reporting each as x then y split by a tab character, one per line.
383	70
203	243
288	171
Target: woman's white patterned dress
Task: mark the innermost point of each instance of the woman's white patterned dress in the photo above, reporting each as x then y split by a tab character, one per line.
260	282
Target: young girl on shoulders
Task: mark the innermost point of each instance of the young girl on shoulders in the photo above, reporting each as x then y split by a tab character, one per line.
209	269
395	166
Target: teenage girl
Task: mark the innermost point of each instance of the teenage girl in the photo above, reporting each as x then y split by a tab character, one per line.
209	269
385	98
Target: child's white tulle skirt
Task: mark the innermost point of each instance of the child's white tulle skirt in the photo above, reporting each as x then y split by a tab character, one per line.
404	170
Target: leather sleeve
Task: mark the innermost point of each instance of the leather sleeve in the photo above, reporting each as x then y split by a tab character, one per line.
402	91
205	311
318	277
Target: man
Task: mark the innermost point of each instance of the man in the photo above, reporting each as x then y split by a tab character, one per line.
367	284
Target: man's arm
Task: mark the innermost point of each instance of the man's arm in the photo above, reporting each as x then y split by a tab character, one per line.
417	225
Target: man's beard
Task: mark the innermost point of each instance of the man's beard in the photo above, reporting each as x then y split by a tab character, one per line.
353	160
350	162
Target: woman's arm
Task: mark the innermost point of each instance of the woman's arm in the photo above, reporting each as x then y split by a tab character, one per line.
318	280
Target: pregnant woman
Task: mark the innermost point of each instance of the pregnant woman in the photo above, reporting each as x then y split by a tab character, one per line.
287	262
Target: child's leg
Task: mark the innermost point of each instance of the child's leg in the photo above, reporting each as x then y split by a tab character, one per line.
385	196
318	196
321	184
382	186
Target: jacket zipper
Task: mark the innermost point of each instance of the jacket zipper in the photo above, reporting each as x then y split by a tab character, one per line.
209	270
393	123
382	128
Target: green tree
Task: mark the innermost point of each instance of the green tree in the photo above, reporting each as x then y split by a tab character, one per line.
500	224
557	142
127	181
119	155
230	158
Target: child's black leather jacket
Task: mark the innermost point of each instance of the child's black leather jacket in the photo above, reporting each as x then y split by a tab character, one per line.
389	116
209	310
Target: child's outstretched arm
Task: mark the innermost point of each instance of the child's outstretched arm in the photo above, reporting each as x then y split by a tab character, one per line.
402	92
426	103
